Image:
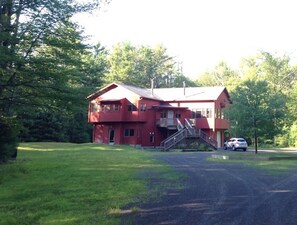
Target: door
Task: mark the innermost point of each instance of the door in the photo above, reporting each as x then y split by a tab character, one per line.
111	136
170	118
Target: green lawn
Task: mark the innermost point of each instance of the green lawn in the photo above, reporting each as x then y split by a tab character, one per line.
61	183
280	162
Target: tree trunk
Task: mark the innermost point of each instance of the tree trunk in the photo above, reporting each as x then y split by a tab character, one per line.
256	142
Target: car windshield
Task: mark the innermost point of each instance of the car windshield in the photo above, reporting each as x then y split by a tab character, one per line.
240	140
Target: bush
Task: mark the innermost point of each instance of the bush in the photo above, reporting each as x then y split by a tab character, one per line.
200	146
8	138
293	135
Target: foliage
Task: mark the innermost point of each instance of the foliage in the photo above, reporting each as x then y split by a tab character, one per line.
221	75
45	67
55	183
79	130
198	146
263	101
293	135
54	126
140	65
8	138
45	126
252	112
95	66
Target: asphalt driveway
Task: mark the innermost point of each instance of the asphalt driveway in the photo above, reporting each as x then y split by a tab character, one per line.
222	194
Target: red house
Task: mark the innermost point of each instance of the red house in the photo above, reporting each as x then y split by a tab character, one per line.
123	114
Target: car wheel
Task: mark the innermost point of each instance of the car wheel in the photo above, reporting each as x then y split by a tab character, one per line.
244	149
233	148
225	147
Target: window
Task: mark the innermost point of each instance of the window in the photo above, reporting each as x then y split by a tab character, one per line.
131	107
94	106
129	132
197	113
104	107
116	107
142	107
110	107
218	113
178	115
202	113
163	114
208	113
152	137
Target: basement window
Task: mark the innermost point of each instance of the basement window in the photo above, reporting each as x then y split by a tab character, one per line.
129	132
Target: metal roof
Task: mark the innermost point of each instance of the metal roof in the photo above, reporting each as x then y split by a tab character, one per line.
189	93
168	94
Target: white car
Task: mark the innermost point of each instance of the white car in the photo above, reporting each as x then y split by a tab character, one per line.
236	143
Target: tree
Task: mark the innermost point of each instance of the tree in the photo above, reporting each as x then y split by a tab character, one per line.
221	75
40	51
279	74
8	138
139	65
251	113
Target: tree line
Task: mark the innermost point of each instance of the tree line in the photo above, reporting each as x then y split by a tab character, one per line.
47	70
263	93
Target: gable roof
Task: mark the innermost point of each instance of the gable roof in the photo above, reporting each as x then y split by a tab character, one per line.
142	92
189	93
168	94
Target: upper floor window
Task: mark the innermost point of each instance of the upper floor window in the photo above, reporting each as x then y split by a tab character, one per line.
94	106
132	107
163	114
196	113
219	114
116	107
202	113
208	113
110	107
142	107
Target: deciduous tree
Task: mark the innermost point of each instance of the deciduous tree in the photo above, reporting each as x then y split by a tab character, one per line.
252	112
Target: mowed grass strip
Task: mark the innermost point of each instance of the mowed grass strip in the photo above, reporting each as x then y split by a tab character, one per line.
59	183
280	163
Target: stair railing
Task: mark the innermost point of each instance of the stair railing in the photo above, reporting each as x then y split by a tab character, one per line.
174	139
179	125
209	140
199	133
190	128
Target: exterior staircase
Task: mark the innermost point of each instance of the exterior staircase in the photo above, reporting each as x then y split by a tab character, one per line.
187	131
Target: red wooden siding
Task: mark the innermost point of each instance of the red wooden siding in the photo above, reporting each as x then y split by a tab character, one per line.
129	116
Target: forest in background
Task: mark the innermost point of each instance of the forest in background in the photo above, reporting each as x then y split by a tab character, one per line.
47	70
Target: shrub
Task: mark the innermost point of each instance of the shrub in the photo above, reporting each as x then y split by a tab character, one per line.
293	135
8	138
200	146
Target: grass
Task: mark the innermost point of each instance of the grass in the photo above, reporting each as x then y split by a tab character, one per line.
259	161
61	183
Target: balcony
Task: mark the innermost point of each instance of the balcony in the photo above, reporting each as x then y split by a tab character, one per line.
169	123
115	116
221	124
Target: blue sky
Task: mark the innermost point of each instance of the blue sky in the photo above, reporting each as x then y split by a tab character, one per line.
199	33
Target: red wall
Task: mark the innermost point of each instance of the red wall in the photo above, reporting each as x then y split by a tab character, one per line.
144	122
